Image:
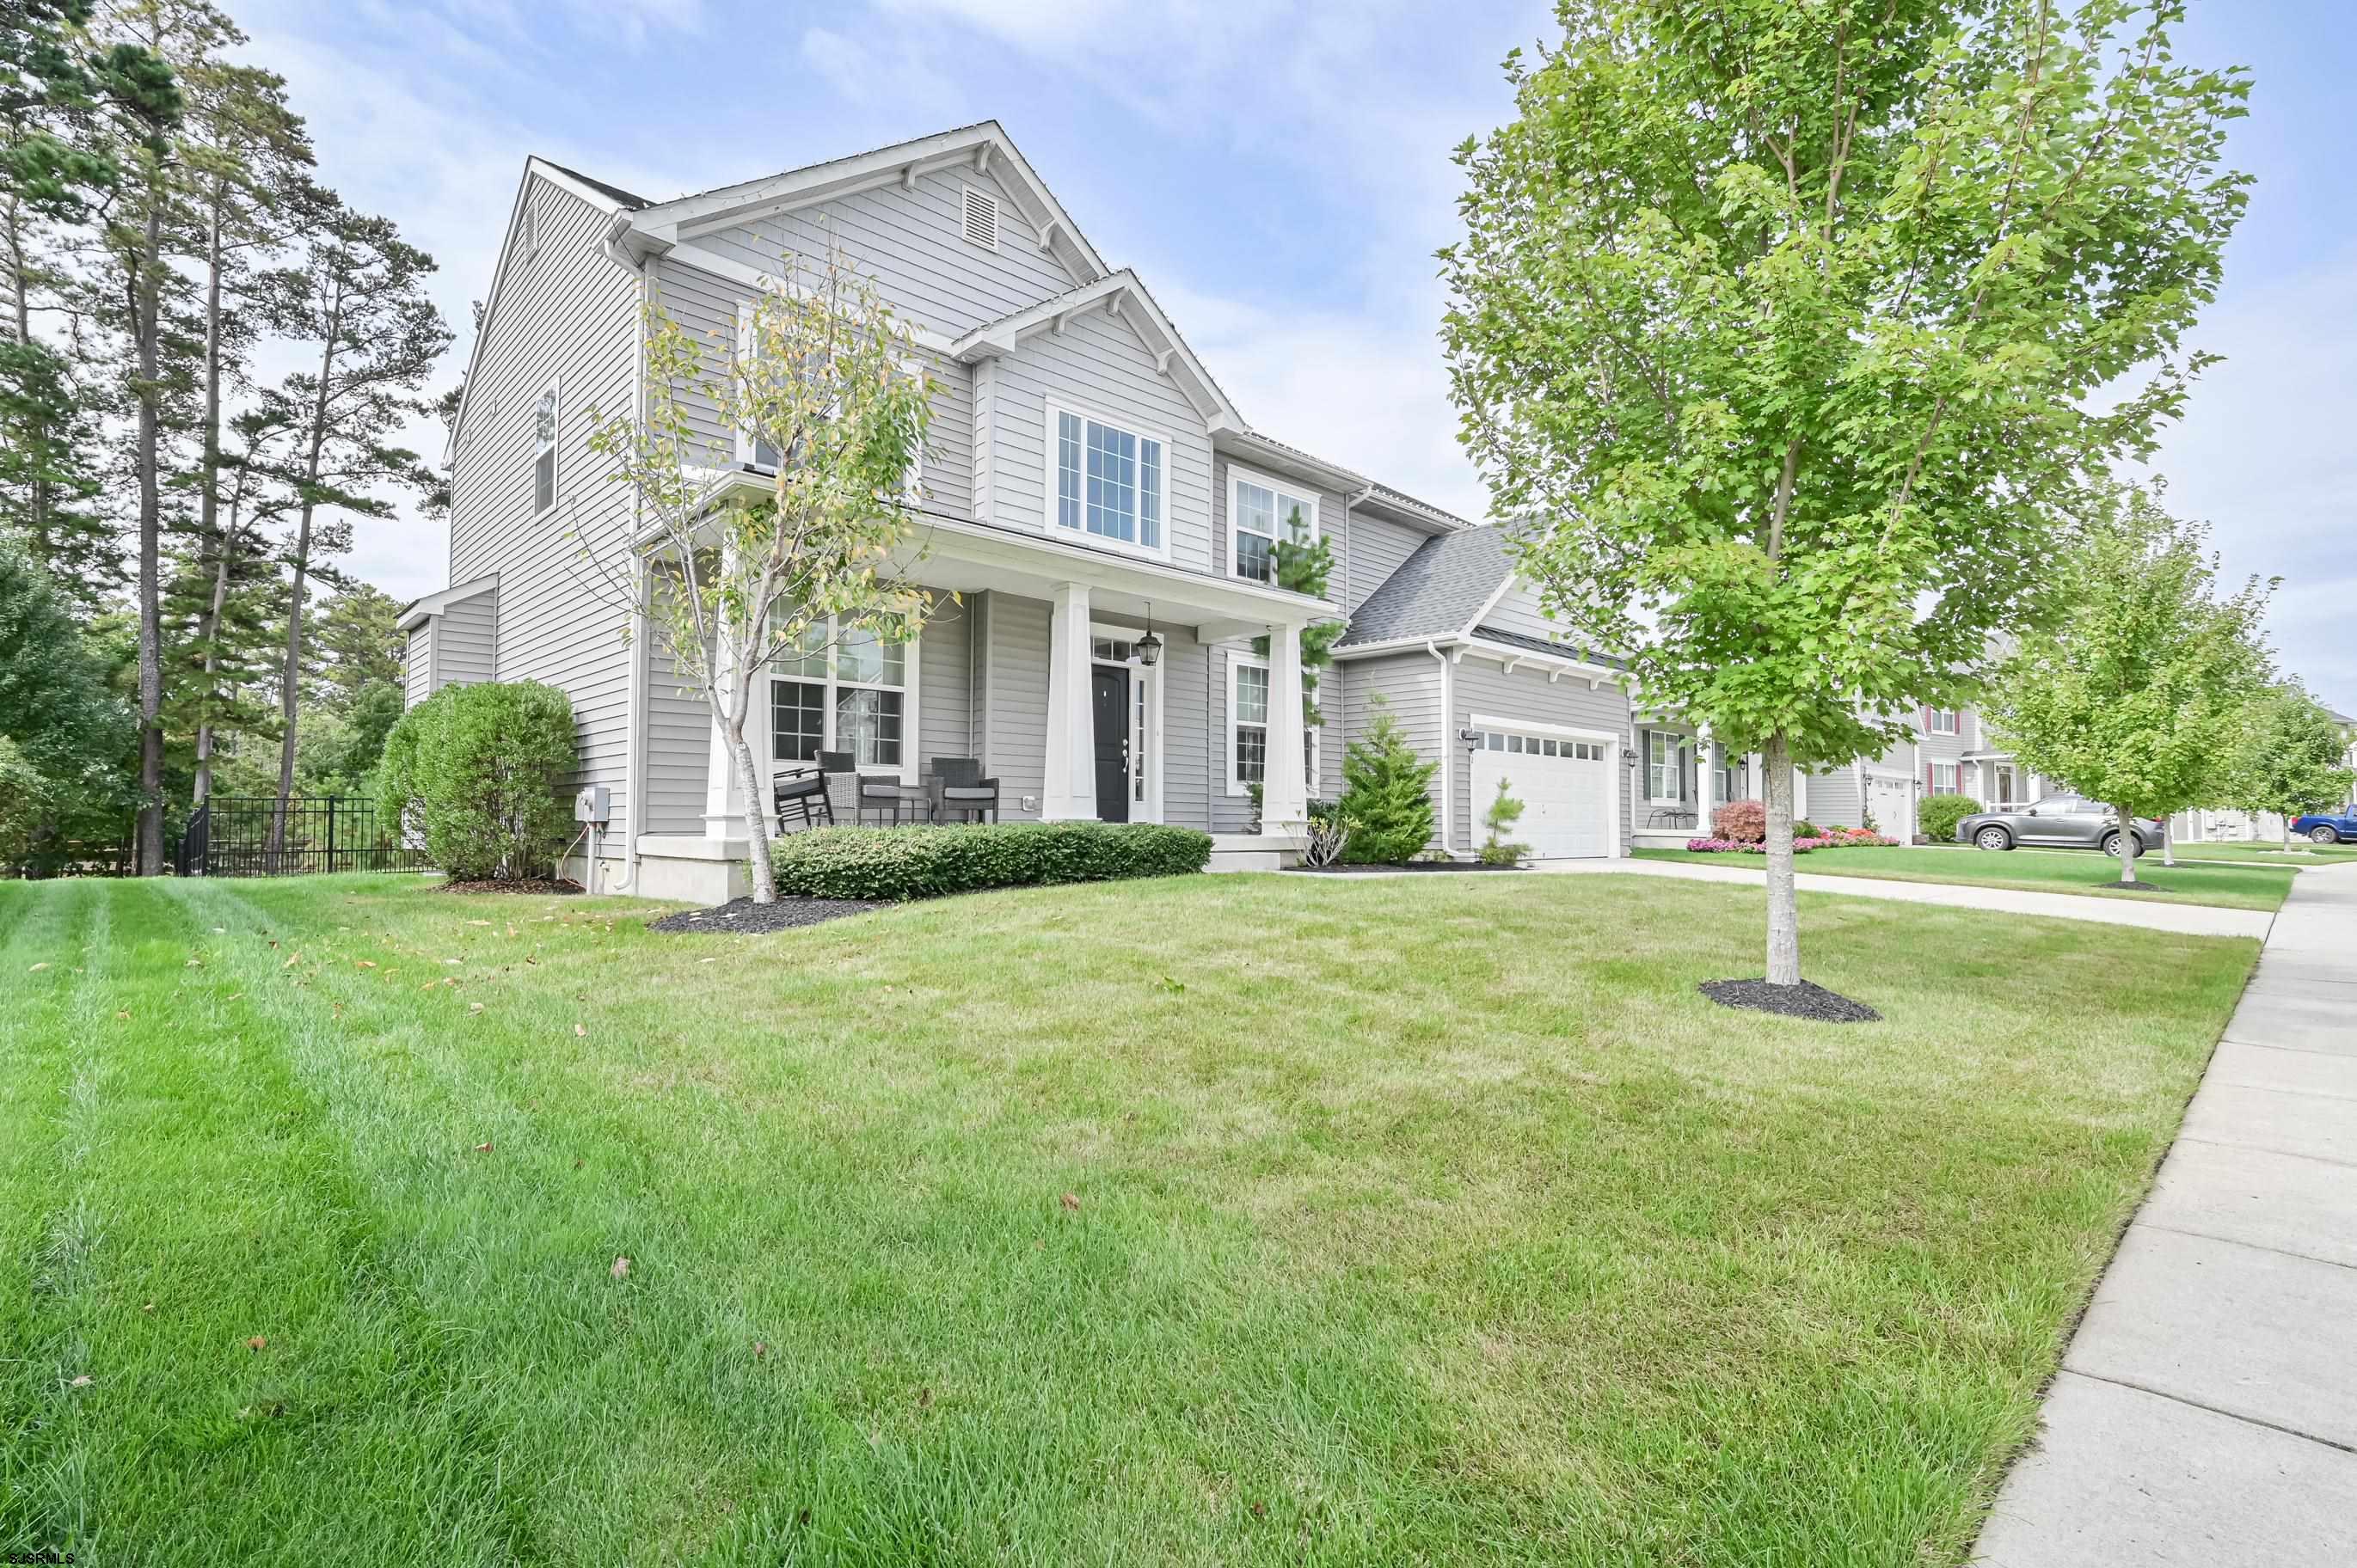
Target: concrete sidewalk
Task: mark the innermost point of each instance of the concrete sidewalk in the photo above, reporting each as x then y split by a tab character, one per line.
2187	919
2206	1412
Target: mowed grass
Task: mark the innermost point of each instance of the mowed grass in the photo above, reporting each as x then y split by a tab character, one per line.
2036	871
1407	1222
2301	853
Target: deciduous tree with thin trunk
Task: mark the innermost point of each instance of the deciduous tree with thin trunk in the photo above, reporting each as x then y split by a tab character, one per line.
827	385
2140	695
1784	324
2293	758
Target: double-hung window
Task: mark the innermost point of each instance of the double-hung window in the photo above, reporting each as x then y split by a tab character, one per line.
1940	721
844	689
1110	481
1947	778
1665	773
1248	721
1262	511
544	451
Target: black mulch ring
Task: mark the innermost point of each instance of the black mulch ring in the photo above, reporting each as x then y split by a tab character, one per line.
1356	869
541	884
742	917
2138	886
1802	1001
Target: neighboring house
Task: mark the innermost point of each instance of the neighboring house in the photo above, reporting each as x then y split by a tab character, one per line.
1088	480
2222	826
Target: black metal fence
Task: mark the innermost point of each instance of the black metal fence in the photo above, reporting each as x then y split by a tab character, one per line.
243	835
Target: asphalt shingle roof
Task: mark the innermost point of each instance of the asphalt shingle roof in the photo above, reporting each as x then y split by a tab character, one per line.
1499	634
1437	590
616	191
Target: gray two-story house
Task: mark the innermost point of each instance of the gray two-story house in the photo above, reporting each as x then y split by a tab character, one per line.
1087	480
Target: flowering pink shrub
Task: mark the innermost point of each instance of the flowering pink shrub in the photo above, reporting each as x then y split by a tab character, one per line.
1856	838
1740	821
1748	846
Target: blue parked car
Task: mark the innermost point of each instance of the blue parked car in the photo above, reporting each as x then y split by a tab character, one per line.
2328	827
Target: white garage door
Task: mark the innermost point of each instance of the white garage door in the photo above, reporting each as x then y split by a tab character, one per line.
1565	786
1892	802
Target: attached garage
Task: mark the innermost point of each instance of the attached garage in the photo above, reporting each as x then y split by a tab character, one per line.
1565	780
1890	802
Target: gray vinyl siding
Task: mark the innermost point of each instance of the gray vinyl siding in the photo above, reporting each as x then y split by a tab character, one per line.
948	468
1377	547
679	746
1012	686
1192	767
1408	685
1528	695
466	642
912	243
566	314
1517	610
1097	366
1833	799
417	668
944	684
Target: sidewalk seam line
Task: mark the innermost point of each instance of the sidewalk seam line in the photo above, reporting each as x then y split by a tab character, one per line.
2269	1149
2213	1409
2238	1242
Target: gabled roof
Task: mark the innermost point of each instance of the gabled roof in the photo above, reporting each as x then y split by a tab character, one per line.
984	146
1485	633
1438	591
613	193
433	604
1121	294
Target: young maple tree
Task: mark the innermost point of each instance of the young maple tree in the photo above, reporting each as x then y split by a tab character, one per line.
1786	322
2140	696
2292	759
813	558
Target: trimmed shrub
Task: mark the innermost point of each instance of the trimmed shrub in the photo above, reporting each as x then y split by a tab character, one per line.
1805	828
1740	821
473	770
926	862
1939	815
1388	795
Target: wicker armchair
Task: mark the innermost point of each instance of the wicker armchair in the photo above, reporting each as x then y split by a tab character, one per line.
958	787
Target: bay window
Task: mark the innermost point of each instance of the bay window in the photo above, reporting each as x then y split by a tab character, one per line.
1262	511
1109	481
844	689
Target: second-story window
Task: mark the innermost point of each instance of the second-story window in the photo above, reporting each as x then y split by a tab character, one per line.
1260	512
543	452
1940	721
751	447
1109	480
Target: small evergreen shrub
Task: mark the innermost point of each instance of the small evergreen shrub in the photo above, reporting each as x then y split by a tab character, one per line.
930	861
1386	793
1805	828
1502	814
1939	815
474	771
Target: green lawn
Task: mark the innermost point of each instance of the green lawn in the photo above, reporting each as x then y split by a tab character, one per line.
2228	886
1413	1220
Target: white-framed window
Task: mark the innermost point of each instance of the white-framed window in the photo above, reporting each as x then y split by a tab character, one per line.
750	447
544	451
1107	482
1665	773
1248	720
845	688
1940	721
1947	778
1262	511
1542	746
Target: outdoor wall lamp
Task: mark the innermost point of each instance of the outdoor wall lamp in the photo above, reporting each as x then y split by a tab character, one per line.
1149	646
1471	737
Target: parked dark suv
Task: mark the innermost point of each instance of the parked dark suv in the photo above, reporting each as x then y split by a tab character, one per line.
2059	821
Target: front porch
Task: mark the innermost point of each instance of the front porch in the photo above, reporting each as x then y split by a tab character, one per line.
1089	684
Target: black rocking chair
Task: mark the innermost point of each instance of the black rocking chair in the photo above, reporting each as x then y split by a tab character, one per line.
958	786
802	790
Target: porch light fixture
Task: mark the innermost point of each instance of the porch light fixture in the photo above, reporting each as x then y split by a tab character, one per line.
1471	737
1149	646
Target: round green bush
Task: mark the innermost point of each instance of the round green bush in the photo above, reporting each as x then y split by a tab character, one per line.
1939	815
474	771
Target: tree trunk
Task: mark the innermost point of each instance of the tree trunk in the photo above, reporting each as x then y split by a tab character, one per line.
2128	846
291	676
1783	904
209	492
147	858
210	636
20	291
757	826
2284	821
2167	841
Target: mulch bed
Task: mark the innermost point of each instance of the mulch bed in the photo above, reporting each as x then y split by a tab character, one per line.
2136	887
541	884
1802	1001
742	917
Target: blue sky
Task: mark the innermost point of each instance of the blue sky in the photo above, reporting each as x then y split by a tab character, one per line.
1279	175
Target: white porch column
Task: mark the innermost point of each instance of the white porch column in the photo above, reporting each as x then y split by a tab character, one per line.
1283	793
724	797
1069	793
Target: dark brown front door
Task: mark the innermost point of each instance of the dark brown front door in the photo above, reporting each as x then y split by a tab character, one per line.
1109	699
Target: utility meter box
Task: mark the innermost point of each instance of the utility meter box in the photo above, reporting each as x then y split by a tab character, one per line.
589	805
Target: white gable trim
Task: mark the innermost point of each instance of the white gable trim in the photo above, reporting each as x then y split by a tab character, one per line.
984	149
1120	295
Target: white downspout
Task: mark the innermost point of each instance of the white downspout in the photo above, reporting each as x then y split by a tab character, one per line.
1447	746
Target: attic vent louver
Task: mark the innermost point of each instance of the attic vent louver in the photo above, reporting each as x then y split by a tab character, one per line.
981	218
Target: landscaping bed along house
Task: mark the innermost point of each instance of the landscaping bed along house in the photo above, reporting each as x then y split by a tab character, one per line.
1186	1219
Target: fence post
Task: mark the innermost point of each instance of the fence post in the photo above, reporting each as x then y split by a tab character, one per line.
331	832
